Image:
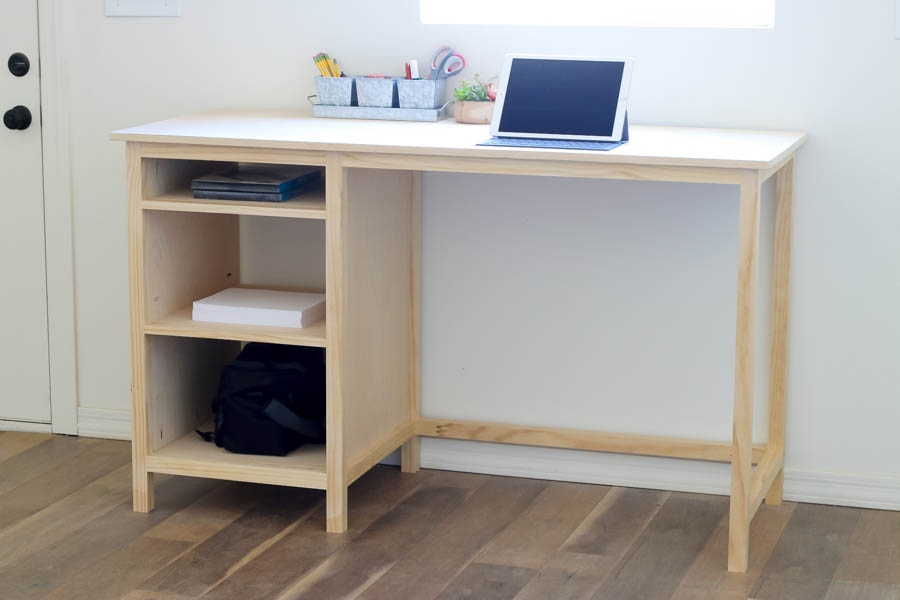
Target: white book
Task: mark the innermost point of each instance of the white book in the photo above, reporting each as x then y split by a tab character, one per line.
243	306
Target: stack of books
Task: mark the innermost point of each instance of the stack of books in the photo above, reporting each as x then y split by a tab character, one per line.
268	183
244	306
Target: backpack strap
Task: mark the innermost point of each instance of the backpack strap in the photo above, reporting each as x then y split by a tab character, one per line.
285	417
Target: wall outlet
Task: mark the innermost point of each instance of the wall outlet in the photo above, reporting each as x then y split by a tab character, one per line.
144	8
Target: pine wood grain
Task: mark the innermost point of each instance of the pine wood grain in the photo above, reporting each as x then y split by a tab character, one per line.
377	280
335	308
579	439
411	451
781	300
139	178
742	431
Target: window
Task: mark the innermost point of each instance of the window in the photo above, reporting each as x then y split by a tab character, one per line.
745	14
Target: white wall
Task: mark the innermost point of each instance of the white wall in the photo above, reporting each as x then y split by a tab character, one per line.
638	278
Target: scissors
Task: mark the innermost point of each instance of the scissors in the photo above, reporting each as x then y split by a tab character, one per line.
446	63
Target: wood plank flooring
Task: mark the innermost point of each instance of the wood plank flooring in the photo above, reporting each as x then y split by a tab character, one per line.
67	532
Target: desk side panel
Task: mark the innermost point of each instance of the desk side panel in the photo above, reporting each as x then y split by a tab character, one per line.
377	304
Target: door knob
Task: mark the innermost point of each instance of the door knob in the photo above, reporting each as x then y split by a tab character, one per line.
18	117
18	64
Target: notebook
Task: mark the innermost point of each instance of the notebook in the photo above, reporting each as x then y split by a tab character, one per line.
562	102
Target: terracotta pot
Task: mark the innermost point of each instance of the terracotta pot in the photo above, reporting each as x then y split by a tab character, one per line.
473	112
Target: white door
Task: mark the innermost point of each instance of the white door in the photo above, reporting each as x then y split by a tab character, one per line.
24	363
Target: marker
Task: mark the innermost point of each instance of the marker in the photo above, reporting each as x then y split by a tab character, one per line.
414	69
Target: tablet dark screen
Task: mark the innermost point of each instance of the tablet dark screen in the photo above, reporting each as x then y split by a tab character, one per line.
562	97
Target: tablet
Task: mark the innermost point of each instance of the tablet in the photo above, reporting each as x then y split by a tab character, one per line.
562	97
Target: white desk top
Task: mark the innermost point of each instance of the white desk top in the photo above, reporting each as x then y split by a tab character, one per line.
649	145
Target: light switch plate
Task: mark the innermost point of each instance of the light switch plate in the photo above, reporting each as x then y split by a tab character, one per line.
143	8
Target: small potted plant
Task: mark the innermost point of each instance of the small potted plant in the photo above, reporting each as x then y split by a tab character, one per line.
475	100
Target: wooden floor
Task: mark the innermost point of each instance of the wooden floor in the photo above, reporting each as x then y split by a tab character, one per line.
67	532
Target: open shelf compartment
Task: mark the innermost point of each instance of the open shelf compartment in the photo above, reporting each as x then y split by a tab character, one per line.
191	456
193	255
182	379
170	189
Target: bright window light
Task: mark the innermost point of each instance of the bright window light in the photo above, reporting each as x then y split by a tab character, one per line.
745	14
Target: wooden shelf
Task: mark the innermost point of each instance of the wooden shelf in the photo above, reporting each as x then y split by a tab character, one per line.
191	456
310	205
180	324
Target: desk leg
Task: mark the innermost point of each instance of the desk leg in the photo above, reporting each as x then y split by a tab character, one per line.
335	228
781	291
410	455
142	480
742	437
411	452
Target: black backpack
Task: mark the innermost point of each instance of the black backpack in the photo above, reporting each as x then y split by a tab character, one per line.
271	399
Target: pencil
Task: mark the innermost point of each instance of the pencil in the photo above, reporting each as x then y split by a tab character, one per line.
320	60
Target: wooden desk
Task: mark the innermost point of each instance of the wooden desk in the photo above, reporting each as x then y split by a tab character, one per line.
182	249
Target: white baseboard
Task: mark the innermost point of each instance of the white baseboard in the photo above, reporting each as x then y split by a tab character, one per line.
104	423
24	426
654	473
821	487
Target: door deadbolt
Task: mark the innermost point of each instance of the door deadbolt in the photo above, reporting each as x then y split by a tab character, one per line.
18	64
18	117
